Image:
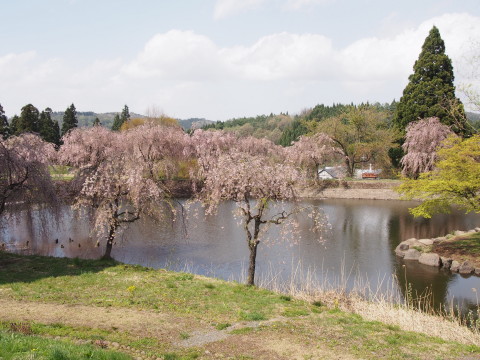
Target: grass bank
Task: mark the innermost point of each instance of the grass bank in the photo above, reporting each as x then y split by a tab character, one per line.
461	248
57	308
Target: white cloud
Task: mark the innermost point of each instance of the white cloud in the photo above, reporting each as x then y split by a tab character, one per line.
177	55
187	74
283	56
226	8
298	4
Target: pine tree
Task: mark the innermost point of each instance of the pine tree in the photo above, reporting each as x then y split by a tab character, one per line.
120	119
69	119
125	114
49	129
430	91
117	122
14	124
4	127
97	122
56	131
28	120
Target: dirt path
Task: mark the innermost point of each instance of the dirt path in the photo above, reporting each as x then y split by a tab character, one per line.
136	322
167	329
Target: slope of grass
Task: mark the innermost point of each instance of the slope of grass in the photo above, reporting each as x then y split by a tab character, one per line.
151	313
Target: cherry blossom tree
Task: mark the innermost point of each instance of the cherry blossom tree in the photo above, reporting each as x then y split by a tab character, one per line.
422	141
252	180
207	146
24	176
118	172
313	151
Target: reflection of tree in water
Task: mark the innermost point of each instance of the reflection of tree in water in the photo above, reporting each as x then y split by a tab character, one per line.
438	225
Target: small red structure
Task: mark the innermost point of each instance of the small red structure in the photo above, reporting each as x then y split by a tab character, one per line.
369	175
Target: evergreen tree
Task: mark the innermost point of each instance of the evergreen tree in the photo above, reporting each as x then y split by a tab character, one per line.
117	122
28	121
14	124
70	120
4	127
56	131
430	91
97	122
49	129
125	114
120	119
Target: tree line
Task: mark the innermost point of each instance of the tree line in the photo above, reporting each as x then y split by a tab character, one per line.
31	120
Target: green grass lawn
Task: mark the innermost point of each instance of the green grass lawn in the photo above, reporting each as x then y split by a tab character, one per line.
14	345
172	309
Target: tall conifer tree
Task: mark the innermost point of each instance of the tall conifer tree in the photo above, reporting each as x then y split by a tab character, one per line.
49	129
4	127
69	119
120	119
14	124
117	122
430	91
28	120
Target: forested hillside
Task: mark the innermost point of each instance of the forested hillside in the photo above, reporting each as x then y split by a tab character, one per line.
283	129
87	118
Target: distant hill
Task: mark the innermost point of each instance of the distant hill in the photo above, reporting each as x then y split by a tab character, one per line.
194	123
86	119
474	119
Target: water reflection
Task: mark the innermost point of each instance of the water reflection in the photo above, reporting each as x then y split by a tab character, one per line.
358	246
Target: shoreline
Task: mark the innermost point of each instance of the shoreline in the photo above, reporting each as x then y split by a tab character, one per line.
424	251
137	303
359	189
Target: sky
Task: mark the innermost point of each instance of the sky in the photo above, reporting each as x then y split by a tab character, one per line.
221	59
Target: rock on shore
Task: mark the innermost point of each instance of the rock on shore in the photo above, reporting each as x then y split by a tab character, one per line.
421	250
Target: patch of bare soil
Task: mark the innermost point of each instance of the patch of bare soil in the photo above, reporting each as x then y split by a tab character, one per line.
136	322
166	328
449	249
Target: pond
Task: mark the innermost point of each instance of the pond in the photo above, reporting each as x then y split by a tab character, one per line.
357	250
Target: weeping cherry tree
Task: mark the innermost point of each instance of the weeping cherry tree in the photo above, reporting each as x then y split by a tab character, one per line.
422	141
24	175
313	151
251	172
117	174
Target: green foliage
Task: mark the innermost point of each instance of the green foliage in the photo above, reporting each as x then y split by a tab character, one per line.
119	120
14	124
430	91
48	128
292	133
362	134
262	126
70	120
28	120
117	123
454	182
317	114
4	126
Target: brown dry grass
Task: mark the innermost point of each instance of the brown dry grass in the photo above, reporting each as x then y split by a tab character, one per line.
461	248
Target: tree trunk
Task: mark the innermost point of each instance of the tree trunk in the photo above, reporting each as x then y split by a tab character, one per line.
350	167
108	250
252	261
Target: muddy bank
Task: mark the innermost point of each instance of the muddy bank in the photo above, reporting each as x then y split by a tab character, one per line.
368	190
